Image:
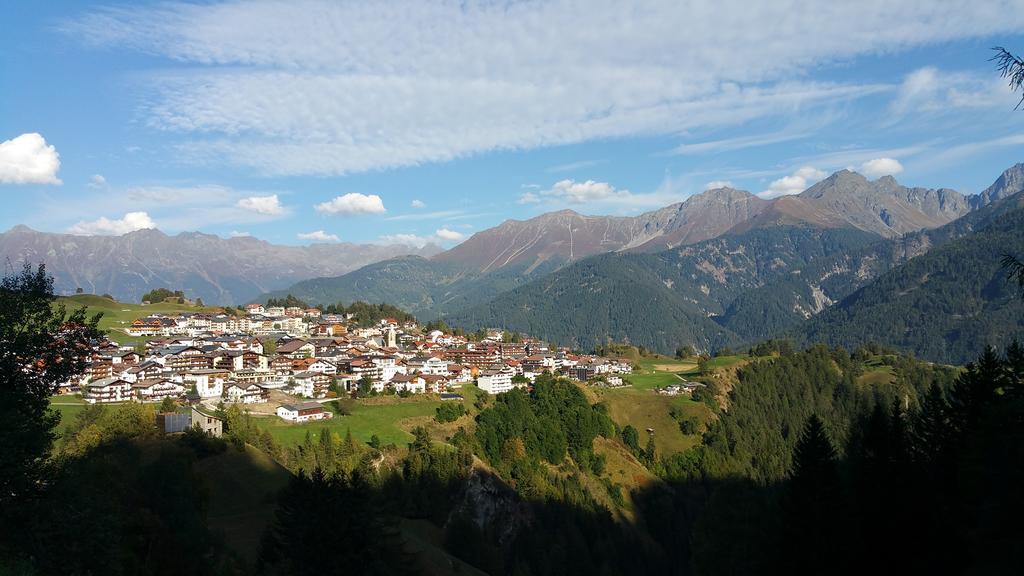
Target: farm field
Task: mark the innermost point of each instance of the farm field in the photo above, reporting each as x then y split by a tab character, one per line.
660	372
389	418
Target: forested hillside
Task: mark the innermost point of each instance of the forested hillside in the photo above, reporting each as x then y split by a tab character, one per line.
766	282
944	305
680	296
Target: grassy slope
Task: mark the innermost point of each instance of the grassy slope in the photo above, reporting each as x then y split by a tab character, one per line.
389	418
658	372
117	315
644	409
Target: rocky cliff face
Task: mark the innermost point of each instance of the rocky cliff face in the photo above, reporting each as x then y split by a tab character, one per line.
884	206
220	271
1010	182
566	236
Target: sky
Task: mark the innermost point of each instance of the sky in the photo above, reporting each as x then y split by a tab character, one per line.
414	121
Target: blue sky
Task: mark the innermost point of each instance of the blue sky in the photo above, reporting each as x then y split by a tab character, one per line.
427	121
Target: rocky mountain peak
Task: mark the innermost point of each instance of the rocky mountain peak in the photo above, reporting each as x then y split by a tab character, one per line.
1010	182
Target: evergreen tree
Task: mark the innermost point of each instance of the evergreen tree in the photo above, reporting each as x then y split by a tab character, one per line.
41	346
812	506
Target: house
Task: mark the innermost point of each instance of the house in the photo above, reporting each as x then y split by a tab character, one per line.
303	412
494	381
245	393
296	349
255	308
156	389
435	384
209	383
428	365
107	390
207	422
323	367
311	384
413	383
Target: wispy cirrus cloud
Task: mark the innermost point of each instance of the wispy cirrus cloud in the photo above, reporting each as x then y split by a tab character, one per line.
323	95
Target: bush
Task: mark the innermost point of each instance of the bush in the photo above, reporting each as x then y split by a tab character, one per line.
450	412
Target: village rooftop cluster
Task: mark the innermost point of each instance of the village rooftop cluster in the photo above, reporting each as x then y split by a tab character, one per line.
308	356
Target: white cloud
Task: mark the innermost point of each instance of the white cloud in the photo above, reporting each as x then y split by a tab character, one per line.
28	159
795	183
450	235
351	204
881	167
418	204
405	239
106	227
718	184
318	236
324	95
585	192
238	234
528	198
266	205
97	181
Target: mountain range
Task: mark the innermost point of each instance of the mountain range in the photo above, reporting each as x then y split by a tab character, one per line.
218	270
722	268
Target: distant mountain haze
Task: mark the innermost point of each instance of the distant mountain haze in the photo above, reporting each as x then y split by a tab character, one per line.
218	270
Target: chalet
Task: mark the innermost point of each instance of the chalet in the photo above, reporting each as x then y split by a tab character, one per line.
124	358
297	348
98	370
311	384
281	364
361	368
323	366
435	384
410	383
311	312
146	370
107	390
428	365
303	412
254	359
254	308
156	389
459	374
180	359
245	393
227	359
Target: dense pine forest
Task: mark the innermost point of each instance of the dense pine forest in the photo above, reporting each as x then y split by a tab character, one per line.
804	467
